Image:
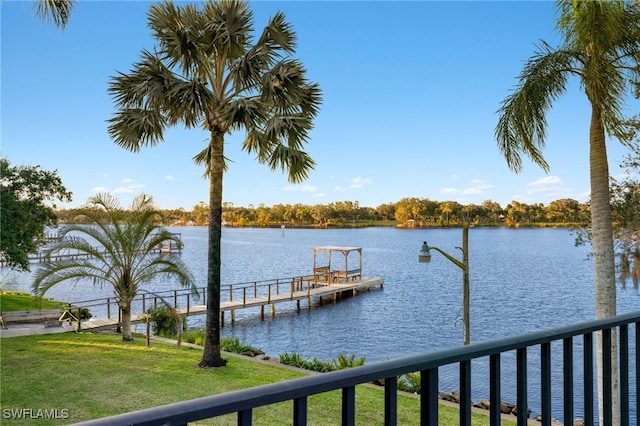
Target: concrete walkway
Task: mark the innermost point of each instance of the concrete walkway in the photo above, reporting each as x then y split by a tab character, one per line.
28	329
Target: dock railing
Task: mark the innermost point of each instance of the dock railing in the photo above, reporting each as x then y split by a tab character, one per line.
244	401
184	298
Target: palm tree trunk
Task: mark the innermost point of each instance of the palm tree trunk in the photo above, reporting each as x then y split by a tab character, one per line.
126	323
603	255
211	356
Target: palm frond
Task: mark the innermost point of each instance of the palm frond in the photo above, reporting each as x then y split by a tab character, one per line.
182	42
57	11
276	41
296	163
522	125
278	34
187	102
132	129
230	24
204	159
245	112
75	271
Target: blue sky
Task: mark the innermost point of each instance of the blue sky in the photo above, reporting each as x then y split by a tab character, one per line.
410	90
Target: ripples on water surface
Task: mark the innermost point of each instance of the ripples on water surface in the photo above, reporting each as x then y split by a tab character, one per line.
521	280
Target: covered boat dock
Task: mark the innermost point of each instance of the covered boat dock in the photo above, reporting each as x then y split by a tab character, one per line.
327	269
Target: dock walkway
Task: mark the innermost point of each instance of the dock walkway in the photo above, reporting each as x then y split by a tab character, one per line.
298	293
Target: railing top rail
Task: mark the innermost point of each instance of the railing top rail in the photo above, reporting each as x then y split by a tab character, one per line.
181	291
231	402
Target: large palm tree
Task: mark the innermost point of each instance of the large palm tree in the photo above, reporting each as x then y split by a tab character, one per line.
601	49
57	11
208	71
120	248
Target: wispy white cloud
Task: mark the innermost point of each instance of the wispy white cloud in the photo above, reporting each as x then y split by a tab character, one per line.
551	188
479	187
129	187
359	182
354	183
170	179
545	182
304	188
99	189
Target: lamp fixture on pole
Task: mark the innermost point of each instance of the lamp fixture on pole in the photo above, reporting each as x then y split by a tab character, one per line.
424	256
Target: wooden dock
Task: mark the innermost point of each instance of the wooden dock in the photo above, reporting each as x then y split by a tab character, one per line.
298	293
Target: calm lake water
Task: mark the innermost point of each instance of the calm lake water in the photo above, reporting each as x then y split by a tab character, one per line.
521	280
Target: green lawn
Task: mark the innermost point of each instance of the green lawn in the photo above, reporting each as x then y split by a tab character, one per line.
95	375
18	301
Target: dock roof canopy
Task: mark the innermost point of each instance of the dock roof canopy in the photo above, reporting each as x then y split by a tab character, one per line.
341	266
337	248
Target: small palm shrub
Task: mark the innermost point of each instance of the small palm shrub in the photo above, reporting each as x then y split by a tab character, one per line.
227	344
233	345
343	362
295	360
409	382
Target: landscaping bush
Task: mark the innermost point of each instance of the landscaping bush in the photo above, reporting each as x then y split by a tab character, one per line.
233	345
195	336
295	360
227	344
164	322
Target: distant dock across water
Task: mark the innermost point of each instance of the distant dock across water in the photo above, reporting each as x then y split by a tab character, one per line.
40	257
256	294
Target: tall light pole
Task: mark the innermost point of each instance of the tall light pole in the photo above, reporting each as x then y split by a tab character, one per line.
424	256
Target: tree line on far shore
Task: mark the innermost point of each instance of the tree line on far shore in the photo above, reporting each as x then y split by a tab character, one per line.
408	212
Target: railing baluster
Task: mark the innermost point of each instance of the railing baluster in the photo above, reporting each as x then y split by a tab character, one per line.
300	411
607	411
245	418
637	359
465	393
545	382
567	369
429	397
624	375
495	415
521	377
349	406
588	378
391	401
